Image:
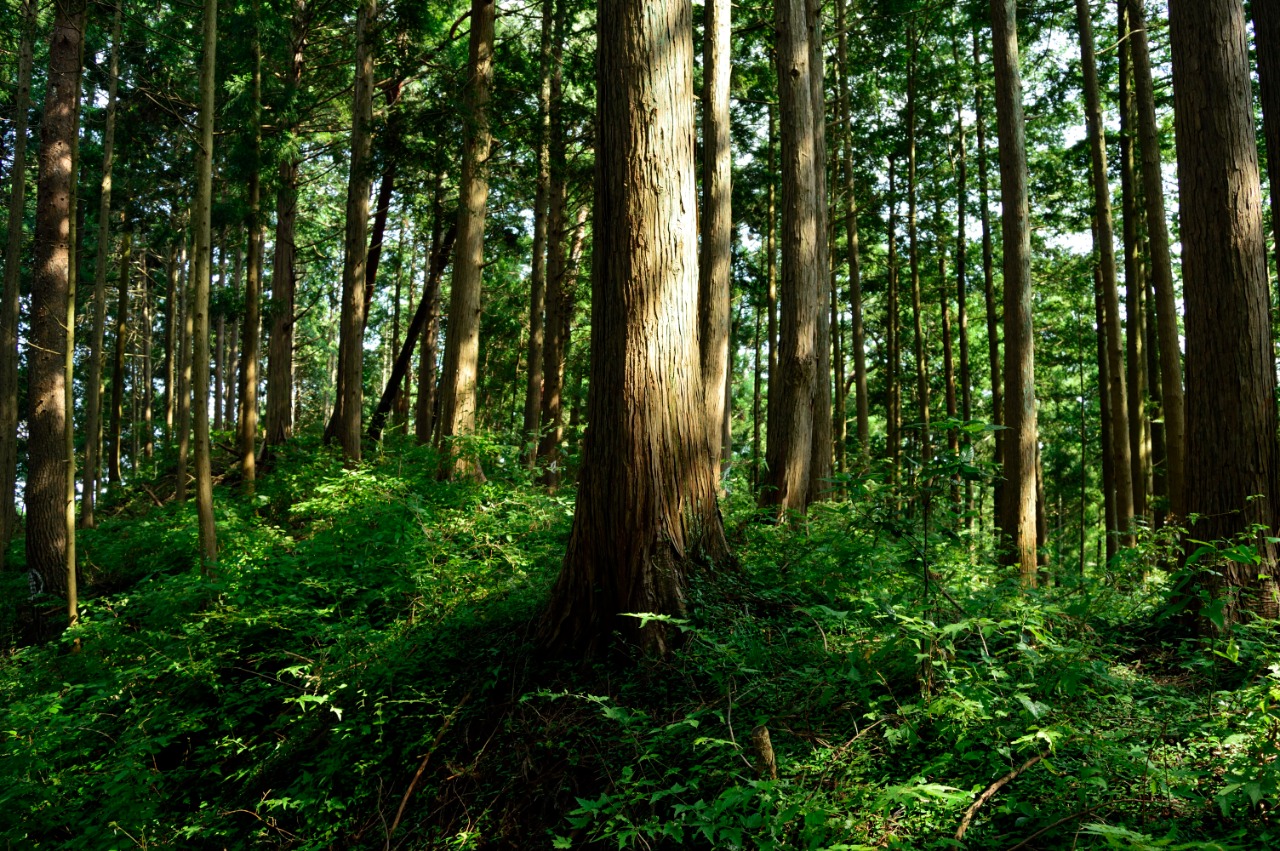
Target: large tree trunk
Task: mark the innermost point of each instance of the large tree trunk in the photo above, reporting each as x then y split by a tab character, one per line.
350	384
12	281
279	425
462	342
93	381
717	219
791	423
1232	481
647	497
47	462
538	275
201	274
1019	510
75	234
820	464
1105	433
771	265
248	422
1175	425
117	364
1104	245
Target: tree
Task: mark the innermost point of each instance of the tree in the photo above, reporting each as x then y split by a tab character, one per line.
248	422
1019	509
538	272
350	395
93	406
462	342
717	220
646	507
789	454
1104	246
47	462
201	274
1232	472
9	296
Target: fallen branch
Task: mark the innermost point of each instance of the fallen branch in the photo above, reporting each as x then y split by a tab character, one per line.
152	494
422	766
990	792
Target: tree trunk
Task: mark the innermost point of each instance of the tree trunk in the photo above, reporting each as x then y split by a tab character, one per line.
1104	245
350	395
790	450
893	333
185	329
715	258
1105	432
1231	416
462	342
988	279
858	342
948	341
248	422
647	503
1266	41
913	255
425	415
148	437
93	381
771	267
1019	510
232	336
1175	425
76	232
47	463
395	382
200	291
12	282
117	364
219	337
538	276
962	283
171	316
279	425
820	465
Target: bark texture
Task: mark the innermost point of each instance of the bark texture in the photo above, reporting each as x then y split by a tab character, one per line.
1020	439
462	342
647	502
47	461
1231	415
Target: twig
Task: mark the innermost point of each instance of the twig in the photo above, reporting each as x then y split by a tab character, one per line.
152	494
413	784
990	792
1072	817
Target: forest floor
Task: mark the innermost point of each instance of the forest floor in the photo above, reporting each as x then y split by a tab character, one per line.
359	672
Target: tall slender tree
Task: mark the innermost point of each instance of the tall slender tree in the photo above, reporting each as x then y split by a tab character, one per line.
1020	439
462	342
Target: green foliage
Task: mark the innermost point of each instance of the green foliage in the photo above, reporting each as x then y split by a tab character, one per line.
362	625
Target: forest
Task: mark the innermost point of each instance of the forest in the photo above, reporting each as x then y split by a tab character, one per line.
783	424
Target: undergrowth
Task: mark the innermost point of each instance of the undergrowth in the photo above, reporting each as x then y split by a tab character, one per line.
359	672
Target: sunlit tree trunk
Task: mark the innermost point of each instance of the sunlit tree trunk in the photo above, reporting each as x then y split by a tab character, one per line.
717	220
1019	510
350	394
1232	480
201	273
462	342
247	426
1104	245
820	465
1172	404
646	508
791	422
47	462
9	298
